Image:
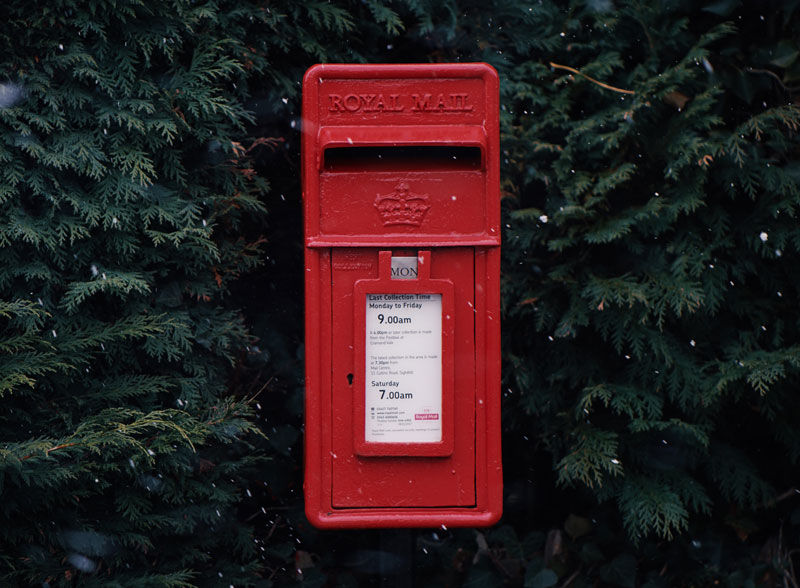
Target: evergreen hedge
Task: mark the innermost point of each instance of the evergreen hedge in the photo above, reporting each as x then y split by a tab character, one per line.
126	180
150	292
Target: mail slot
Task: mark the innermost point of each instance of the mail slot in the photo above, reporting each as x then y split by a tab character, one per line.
402	274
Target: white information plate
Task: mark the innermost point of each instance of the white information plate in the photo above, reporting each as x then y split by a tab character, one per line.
403	384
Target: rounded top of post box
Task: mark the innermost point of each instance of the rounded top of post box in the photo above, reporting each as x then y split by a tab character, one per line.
399	70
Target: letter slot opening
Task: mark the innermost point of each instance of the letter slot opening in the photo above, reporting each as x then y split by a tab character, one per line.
402	158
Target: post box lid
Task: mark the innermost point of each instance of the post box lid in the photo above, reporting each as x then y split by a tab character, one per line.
401	155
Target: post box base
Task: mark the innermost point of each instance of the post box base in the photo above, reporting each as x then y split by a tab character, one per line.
402	518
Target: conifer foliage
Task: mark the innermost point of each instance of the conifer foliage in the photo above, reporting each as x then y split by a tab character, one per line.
123	190
650	263
652	245
651	358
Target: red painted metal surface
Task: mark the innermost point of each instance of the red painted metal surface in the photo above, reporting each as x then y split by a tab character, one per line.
402	161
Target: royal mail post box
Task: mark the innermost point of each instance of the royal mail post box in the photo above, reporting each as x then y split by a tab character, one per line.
402	266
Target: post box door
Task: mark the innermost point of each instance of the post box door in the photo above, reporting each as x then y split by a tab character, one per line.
393	479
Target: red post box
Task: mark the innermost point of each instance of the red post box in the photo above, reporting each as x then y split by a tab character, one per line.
402	261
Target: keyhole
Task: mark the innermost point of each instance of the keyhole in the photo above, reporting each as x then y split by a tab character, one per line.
350	379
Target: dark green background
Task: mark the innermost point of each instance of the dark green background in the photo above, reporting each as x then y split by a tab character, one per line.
151	353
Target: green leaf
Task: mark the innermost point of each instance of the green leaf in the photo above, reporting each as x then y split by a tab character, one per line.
591	458
722	7
542	579
649	505
785	54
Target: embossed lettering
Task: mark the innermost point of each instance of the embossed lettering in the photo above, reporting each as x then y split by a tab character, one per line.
379	103
368	100
335	103
460	102
443	103
364	103
420	102
352	102
394	103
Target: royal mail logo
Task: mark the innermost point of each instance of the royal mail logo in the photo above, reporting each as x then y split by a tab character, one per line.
402	207
427	416
378	103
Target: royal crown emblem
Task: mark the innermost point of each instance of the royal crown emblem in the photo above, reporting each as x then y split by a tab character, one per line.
402	207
